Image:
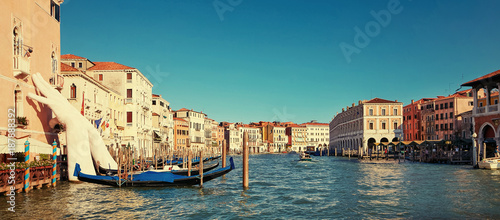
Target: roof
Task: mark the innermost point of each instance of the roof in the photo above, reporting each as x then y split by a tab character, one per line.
182	110
379	100
461	94
109	66
156	96
68	68
315	123
485	77
72	57
155	114
179	119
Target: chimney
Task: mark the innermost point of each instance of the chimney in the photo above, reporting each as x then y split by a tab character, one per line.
343	110
411	101
396	100
353	104
359	102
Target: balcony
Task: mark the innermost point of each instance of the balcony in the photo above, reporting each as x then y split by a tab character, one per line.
493	108
21	66
480	110
21	122
57	82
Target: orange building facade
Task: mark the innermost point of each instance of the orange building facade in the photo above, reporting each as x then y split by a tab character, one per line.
181	133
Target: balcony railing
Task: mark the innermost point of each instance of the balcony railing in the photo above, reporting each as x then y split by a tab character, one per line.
480	110
57	82
21	66
493	108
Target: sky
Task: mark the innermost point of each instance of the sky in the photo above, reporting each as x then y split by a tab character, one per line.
288	60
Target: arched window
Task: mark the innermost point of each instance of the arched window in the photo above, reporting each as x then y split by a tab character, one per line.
18	101
17	42
72	91
54	62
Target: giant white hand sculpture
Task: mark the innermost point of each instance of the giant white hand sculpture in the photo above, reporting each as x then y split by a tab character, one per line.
83	140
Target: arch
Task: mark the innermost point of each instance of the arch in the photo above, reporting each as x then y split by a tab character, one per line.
395	139
371	142
72	91
487	131
384	140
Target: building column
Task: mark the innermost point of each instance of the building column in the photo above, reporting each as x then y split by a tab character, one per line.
475	104
487	108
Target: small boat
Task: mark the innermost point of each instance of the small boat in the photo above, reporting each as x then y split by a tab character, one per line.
492	163
152	178
305	157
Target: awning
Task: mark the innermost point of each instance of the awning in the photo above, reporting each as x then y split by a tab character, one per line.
36	146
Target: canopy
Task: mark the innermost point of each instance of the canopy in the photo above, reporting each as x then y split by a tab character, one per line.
36	146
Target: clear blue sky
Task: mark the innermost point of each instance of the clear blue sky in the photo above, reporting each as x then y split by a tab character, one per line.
282	59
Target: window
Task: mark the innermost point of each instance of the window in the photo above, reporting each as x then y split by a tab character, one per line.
72	91
395	111
437	127
55	10
495	101
451	104
451	126
100	77
371	125
445	116
437	107
445	127
80	65
371	112
451	114
383	111
129	77
437	117
154	102
441	106
445	105
441	126
129	117
395	125
129	93
471	103
54	63
383	125
17	42
73	64
441	116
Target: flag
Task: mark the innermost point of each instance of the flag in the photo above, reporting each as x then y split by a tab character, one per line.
83	103
98	122
103	125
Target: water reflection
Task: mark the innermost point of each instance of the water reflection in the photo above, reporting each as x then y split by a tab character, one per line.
282	187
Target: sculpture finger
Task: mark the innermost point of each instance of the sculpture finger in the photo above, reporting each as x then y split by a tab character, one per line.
40	99
44	87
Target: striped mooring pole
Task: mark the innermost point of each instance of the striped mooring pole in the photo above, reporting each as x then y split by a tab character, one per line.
54	160
27	170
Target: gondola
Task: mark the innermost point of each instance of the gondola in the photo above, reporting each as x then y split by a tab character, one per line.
152	179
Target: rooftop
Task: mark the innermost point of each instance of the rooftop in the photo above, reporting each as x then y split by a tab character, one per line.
379	100
109	66
68	68
72	57
487	77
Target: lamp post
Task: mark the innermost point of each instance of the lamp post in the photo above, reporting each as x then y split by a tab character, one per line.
474	151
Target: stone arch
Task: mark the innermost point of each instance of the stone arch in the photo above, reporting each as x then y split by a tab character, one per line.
487	136
395	139
384	139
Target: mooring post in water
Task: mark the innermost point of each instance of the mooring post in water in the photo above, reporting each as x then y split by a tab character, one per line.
27	170
245	159
201	168
335	151
119	167
54	160
189	162
224	153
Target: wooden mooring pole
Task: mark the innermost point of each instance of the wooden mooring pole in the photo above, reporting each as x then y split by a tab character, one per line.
224	153
201	168
245	160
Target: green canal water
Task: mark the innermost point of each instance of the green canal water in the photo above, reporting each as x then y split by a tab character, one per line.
283	188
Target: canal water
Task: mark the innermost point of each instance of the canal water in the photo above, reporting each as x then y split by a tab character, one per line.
283	188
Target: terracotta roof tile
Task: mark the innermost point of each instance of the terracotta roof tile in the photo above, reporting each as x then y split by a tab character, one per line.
182	110
156	96
477	80
68	68
179	119
72	57
155	114
109	66
379	100
313	123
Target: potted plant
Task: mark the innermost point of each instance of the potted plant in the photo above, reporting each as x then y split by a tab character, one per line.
21	121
